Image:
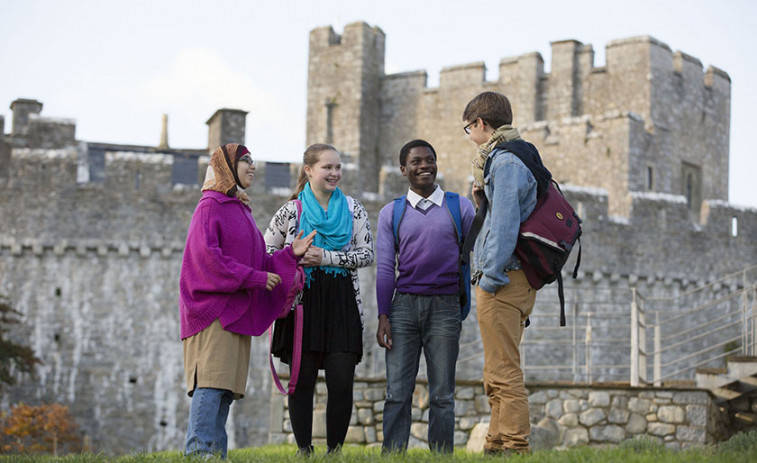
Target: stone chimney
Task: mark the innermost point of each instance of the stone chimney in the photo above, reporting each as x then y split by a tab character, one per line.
226	126
21	109
164	134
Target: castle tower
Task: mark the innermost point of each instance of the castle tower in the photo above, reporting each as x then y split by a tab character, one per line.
226	126
344	82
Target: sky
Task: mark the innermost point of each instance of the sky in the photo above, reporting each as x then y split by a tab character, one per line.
116	66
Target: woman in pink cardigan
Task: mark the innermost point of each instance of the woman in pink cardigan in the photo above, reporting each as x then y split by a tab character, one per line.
229	290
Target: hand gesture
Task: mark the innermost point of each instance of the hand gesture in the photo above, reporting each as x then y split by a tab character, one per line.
300	245
273	281
313	257
477	193
384	332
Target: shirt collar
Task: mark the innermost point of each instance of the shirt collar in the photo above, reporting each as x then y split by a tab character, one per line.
437	197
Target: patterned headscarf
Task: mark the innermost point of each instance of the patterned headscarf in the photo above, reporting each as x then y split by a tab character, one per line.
221	175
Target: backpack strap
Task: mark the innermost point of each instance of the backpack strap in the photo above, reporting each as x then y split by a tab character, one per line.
453	205
463	286
478	221
398	212
297	347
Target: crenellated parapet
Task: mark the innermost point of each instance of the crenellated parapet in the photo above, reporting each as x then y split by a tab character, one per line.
650	119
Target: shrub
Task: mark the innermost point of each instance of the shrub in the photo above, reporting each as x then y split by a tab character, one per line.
39	429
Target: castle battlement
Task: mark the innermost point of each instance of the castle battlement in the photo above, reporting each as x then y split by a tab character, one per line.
89	247
650	119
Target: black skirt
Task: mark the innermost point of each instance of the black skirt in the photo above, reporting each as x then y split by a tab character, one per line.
331	321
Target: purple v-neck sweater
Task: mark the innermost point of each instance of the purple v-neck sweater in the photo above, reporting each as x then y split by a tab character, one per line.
428	252
224	270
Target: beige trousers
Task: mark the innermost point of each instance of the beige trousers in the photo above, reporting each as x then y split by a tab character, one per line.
501	319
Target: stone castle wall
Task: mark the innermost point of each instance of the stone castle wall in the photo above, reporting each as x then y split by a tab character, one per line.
647	108
94	269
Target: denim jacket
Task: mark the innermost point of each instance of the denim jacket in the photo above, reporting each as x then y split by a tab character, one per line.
510	188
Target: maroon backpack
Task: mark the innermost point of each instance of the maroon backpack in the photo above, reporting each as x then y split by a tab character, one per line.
546	239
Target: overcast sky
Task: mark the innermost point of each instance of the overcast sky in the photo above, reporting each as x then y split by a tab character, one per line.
116	66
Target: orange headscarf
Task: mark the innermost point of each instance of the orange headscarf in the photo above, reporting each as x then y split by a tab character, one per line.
221	175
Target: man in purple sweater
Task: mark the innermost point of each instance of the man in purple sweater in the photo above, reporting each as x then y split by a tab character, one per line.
418	302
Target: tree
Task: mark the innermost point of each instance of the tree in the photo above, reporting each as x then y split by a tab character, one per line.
38	429
12	356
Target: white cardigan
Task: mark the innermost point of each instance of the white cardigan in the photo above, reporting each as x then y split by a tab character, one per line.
359	253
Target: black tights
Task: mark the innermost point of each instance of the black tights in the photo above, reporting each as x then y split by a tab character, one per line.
340	376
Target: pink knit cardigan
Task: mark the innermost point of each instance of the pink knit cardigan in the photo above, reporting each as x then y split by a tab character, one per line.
224	271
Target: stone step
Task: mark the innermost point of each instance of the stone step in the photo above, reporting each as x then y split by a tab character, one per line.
749	382
712	378
724	395
748	419
741	366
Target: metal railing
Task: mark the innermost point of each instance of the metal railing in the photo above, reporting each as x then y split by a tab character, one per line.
725	315
658	339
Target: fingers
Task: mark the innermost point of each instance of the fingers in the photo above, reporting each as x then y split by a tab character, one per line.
384	333
299	235
273	281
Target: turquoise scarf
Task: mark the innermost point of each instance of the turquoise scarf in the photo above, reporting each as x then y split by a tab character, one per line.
334	228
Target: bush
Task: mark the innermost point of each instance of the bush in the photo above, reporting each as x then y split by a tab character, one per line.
38	429
740	442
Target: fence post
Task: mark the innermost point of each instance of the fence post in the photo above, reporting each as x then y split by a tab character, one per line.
744	315
642	324
575	345
634	340
657	351
587	342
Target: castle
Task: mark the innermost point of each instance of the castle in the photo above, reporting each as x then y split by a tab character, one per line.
92	234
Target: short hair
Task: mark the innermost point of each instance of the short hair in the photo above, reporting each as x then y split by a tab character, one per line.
493	107
405	151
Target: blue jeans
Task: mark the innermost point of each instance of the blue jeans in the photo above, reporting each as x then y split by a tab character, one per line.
431	323
206	431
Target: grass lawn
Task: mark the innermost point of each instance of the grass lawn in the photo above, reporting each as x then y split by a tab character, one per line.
742	448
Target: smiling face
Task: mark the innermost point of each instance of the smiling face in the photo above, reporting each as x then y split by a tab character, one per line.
245	171
420	170
324	175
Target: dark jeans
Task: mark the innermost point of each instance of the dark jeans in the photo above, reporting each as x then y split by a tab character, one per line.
340	377
430	323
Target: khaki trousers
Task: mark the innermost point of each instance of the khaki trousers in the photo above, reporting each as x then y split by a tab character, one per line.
501	319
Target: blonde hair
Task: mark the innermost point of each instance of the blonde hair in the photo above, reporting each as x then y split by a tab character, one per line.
310	158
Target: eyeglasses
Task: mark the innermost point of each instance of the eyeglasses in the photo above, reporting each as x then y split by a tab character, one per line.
246	158
466	129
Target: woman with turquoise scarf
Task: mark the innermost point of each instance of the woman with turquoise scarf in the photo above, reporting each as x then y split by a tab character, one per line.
333	319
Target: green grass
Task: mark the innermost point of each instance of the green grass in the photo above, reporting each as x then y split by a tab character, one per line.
741	448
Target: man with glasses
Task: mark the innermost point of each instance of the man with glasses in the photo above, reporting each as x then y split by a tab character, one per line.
417	284
504	190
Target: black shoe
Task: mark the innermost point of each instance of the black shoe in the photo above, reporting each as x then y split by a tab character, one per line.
334	450
305	451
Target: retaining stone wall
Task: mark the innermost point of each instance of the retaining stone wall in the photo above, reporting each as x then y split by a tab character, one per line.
561	416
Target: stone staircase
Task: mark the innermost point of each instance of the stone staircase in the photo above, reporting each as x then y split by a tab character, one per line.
734	387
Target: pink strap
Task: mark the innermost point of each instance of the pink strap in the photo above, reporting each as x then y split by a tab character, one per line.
296	354
297	347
